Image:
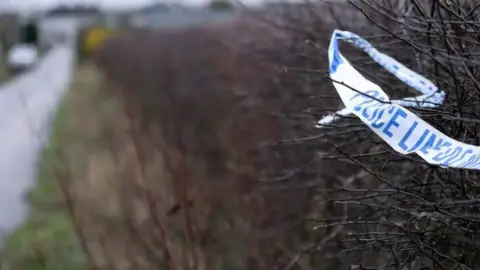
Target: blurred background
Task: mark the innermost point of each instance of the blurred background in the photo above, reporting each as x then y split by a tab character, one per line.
185	136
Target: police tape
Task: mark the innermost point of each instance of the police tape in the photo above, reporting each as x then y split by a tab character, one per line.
404	131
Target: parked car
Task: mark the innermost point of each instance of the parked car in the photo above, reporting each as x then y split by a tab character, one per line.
22	57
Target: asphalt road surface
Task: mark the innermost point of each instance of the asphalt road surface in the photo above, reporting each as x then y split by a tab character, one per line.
27	105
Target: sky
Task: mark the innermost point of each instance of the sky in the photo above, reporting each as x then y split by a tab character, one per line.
109	4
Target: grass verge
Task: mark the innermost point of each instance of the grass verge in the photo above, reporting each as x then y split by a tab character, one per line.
48	239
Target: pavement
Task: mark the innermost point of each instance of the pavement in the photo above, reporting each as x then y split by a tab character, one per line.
27	107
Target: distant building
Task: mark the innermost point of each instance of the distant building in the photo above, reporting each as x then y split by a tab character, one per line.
154	9
83	14
172	16
54	23
73	10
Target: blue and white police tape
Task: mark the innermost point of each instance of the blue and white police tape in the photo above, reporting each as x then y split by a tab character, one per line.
432	97
401	129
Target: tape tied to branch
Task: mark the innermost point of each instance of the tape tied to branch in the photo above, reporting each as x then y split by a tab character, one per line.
404	131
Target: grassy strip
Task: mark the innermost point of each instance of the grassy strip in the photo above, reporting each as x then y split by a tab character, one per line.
47	240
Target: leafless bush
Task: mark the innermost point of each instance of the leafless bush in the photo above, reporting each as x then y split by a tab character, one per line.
409	214
230	109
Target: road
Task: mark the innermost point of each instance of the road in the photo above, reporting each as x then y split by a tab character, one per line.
27	106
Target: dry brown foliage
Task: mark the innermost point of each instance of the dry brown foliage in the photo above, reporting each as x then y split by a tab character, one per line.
223	165
212	127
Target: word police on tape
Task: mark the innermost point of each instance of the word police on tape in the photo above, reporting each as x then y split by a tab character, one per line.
404	131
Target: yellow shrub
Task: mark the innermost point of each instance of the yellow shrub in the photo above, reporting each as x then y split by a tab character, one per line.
94	37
